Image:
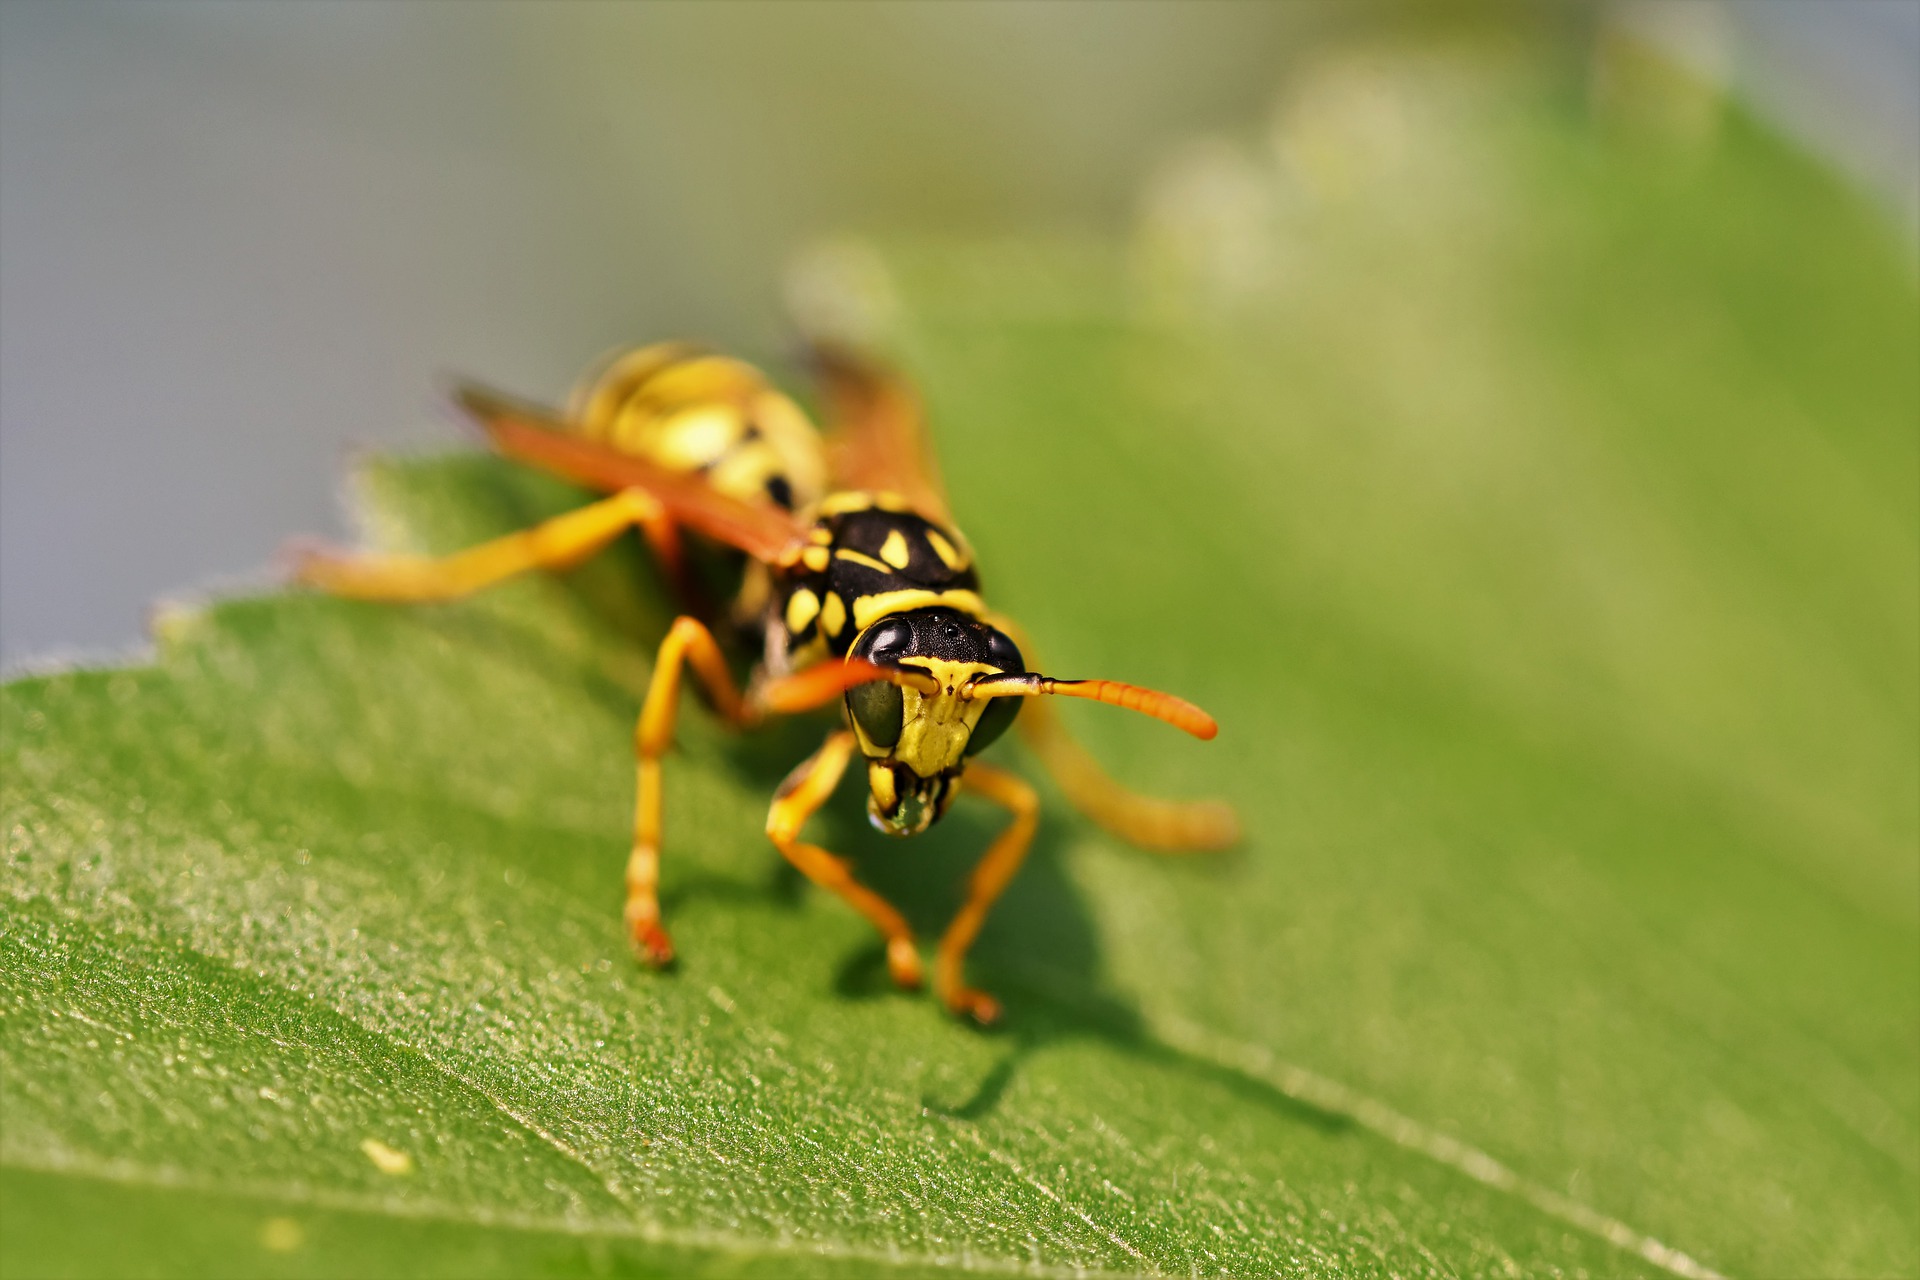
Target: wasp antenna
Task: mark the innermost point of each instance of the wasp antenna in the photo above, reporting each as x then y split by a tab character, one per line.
823	682
1177	712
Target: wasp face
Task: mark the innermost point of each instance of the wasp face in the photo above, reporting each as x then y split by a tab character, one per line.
916	743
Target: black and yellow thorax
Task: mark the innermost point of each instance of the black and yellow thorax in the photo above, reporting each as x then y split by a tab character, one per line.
868	557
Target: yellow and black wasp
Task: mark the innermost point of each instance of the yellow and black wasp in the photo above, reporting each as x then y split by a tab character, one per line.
861	590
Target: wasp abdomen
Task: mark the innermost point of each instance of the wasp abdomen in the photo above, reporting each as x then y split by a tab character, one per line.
691	411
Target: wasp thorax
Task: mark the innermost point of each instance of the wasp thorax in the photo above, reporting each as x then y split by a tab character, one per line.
917	740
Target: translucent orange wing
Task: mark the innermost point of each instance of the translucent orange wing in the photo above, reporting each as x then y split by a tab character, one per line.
877	437
533	436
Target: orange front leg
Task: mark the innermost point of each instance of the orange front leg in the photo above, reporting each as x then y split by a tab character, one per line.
989	880
798	799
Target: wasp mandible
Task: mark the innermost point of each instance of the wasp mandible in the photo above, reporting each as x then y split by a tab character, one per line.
857	588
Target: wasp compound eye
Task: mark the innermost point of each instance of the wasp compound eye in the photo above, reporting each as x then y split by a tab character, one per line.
879	709
885	643
994	721
999	715
1003	653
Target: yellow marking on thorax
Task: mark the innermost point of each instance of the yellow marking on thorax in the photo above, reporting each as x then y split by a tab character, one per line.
937	726
833	614
860	557
894	550
881	603
802	607
945	550
816	559
850	500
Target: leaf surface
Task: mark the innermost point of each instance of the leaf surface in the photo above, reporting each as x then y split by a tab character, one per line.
1539	520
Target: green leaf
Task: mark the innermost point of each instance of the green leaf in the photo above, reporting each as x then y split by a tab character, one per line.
1536	510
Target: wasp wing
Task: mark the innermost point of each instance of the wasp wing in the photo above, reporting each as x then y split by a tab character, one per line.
534	436
877	438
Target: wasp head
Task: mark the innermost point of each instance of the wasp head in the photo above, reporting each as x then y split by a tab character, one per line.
917	740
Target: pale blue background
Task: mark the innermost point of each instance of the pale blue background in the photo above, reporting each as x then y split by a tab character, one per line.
236	239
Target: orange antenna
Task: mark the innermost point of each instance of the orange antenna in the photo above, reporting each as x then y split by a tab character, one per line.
1177	712
823	682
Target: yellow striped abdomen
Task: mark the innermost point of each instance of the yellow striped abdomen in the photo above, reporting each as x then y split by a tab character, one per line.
686	409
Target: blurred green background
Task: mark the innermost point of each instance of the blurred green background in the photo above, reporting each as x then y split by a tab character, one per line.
1508	421
237	240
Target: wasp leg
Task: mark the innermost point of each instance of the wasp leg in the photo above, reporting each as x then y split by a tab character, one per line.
799	797
688	642
559	543
1165	826
663	540
984	887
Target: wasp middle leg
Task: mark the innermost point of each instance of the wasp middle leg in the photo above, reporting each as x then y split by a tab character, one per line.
688	643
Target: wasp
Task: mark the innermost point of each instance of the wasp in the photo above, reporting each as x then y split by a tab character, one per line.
856	588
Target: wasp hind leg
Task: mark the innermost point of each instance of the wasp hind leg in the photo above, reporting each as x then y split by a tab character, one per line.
1164	826
798	799
559	543
989	880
